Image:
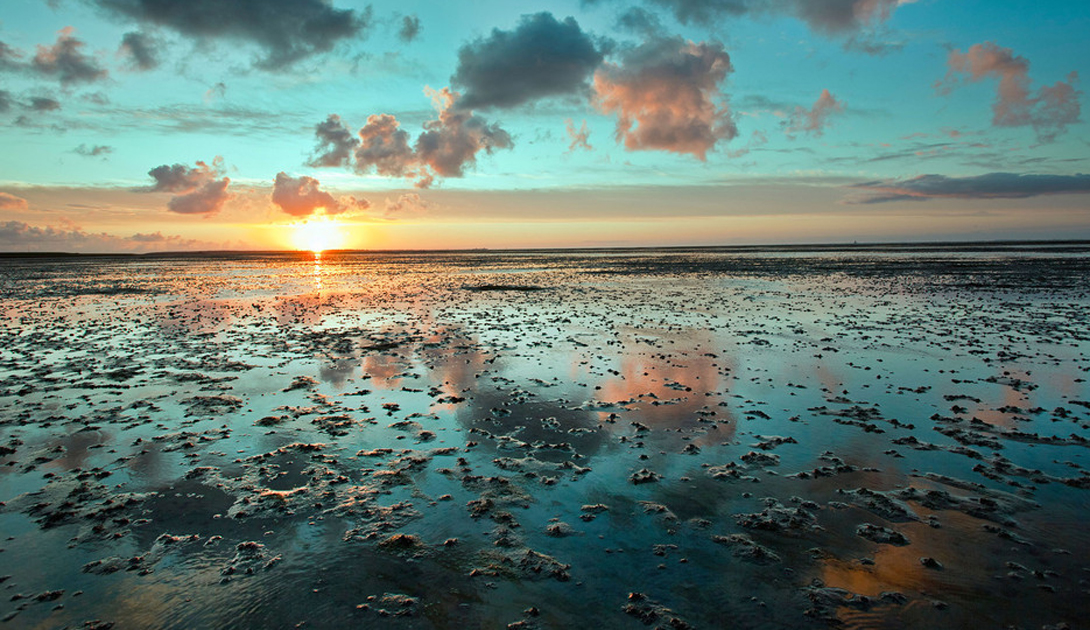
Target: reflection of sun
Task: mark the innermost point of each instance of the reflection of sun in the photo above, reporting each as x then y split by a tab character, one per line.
317	234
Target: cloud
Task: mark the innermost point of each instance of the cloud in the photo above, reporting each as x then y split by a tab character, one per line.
408	202
665	96
540	58
301	196
447	146
5	100
198	190
219	90
578	138
384	147
285	30
141	49
1049	111
66	61
23	237
451	143
336	144
832	17
93	151
989	186
757	139
814	120
43	104
11	202
827	17
410	28
639	21
9	57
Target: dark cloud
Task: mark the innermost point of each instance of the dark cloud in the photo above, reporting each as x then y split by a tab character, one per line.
639	21
336	144
828	17
814	120
989	186
410	28
666	96
5	100
1049	111
11	202
219	90
198	190
98	98
447	146
579	137
207	199
141	49
541	57
286	30
838	16
451	143
44	104
66	61
302	196
19	236
9	57
94	150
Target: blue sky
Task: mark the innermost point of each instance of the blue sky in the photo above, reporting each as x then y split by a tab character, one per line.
663	122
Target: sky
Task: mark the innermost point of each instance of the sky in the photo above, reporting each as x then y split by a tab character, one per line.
164	125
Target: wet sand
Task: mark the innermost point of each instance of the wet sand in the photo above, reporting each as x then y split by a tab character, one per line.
884	438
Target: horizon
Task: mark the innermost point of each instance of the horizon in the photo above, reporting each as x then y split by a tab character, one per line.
558	124
981	245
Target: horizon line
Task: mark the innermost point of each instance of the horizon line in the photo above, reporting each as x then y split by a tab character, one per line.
854	245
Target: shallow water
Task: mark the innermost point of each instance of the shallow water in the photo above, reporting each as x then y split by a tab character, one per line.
557	439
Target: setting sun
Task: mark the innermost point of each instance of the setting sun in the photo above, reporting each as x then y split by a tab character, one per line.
318	235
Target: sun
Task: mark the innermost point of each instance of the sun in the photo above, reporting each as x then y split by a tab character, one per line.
317	235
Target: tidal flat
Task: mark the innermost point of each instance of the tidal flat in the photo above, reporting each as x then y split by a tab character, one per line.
868	438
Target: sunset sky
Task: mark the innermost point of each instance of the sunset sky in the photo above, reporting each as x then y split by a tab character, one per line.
143	125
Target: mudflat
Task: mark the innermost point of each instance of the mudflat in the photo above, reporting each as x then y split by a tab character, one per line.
870	437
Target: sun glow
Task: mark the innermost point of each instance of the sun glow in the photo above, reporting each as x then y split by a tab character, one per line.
318	235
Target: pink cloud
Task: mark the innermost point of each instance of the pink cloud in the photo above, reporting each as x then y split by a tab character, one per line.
814	120
11	202
302	196
579	138
1049	111
665	95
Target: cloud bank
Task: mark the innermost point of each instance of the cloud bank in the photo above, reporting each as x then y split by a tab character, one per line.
22	237
988	186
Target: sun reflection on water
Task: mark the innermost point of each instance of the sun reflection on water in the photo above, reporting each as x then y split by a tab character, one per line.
317	271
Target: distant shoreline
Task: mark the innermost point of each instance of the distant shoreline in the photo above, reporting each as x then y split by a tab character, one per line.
1069	246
